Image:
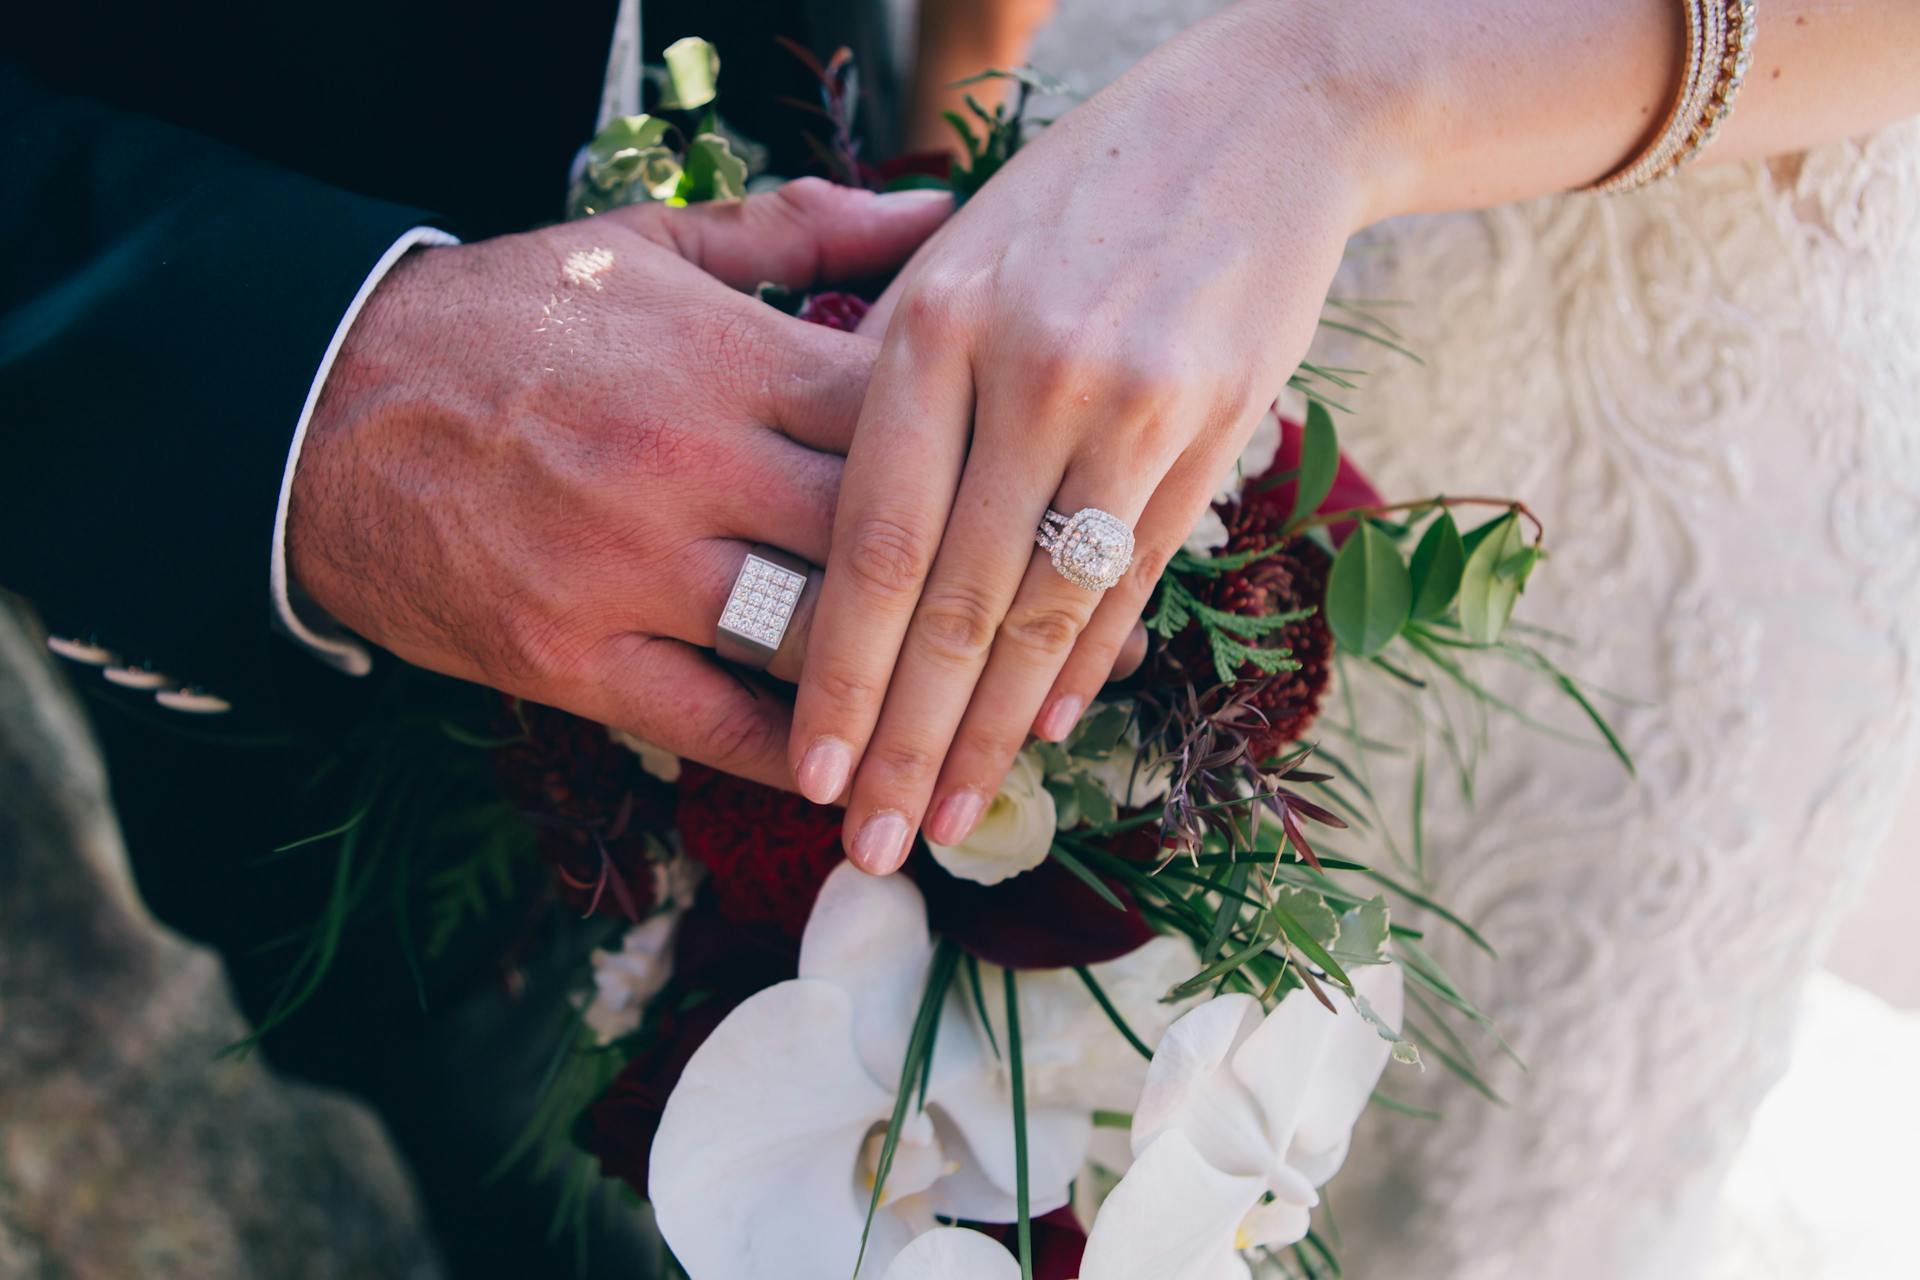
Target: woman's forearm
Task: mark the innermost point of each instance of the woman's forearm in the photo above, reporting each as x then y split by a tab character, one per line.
1469	103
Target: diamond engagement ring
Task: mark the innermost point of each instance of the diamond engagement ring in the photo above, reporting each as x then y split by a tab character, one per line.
1090	548
764	596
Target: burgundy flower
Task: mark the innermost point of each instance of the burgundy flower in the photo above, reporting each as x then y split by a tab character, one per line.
591	804
1058	1243
1295	577
1046	918
768	851
835	309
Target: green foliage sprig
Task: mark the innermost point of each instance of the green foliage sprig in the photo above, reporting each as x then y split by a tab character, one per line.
680	153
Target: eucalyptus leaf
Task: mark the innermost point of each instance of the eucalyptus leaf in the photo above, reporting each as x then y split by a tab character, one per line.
1486	596
1369	593
1438	563
693	71
1319	461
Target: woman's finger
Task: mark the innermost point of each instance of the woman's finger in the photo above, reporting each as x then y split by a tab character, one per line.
897	489
1020	678
961	621
1115	626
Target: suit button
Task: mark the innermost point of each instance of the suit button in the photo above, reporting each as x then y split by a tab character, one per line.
192	701
137	677
80	651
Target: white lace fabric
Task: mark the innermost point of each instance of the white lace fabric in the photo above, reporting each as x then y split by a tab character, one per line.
1710	391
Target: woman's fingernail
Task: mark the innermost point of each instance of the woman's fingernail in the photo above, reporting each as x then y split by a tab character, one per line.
1059	719
881	844
954	819
823	770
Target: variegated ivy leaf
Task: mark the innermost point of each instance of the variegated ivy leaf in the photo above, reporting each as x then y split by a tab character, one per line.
713	171
1404	1051
1099	733
1364	933
1313	913
693	72
614	155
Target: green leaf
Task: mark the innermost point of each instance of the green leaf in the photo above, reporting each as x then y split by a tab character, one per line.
1092	800
1313	913
1363	933
1319	462
1486	596
1016	1070
1438	562
946	958
1301	937
1100	733
713	171
613	155
1086	876
693	71
1369	593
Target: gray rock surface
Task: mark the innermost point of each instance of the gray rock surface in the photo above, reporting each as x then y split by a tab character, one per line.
127	1149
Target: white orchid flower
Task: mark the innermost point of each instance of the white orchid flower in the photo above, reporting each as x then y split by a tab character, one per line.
954	1253
765	1160
1242	1117
1014	835
1073	1055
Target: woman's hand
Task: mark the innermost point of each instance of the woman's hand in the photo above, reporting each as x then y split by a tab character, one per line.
1102	327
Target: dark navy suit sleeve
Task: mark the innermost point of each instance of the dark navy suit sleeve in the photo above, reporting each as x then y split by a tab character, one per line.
165	303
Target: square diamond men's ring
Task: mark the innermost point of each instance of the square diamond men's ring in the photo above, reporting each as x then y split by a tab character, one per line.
764	596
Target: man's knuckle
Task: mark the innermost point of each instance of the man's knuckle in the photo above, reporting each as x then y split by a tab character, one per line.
739	734
887	555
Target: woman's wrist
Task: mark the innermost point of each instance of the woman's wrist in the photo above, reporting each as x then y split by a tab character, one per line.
1344	80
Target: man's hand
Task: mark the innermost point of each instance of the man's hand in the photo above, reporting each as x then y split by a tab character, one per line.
539	460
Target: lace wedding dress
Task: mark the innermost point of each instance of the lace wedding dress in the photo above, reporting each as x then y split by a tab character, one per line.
1710	391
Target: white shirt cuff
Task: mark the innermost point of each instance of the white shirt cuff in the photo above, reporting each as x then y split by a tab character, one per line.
326	639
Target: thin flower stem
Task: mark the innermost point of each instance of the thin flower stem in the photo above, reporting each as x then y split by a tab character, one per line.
1017	1070
1420	506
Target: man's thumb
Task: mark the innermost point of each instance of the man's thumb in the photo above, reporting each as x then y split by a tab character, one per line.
807	232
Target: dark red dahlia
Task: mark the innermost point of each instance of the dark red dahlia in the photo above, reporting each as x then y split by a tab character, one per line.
592	805
835	309
1295	577
768	851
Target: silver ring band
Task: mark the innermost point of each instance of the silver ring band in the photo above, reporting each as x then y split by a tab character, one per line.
1090	548
765	593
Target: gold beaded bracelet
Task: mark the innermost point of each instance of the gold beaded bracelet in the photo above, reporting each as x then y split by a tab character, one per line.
1719	50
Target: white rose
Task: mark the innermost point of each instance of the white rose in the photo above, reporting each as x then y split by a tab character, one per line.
1209	534
1014	835
624	981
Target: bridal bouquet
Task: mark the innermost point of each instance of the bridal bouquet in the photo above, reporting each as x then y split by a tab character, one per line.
1125	1029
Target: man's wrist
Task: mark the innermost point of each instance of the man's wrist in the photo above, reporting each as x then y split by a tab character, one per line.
295	612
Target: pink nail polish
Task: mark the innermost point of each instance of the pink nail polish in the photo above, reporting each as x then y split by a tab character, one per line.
823	770
881	845
1059	719
953	820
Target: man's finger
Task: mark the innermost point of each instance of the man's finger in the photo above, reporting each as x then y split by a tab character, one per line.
677	697
805	233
